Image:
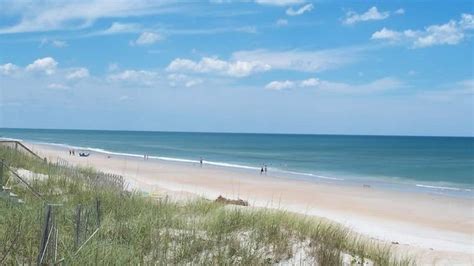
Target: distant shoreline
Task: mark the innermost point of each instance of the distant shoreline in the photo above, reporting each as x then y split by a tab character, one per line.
435	188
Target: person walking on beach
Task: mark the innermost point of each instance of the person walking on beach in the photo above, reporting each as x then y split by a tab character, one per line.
200	162
261	171
265	169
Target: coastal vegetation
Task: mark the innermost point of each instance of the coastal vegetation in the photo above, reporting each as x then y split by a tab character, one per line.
96	223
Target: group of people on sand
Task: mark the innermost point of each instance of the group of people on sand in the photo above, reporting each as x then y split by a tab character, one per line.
82	154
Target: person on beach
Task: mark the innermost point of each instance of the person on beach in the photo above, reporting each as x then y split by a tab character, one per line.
265	168
200	161
261	171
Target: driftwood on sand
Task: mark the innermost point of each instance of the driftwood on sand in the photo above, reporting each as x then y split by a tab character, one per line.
223	200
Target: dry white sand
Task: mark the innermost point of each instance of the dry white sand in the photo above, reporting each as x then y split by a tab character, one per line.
438	229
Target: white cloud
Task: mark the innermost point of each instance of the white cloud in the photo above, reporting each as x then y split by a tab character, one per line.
371	14
281	22
70	15
467	21
399	11
237	68
78	73
118	27
450	33
280	85
312	82
148	38
386	34
378	85
306	61
47	65
289	84
8	69
279	2
300	11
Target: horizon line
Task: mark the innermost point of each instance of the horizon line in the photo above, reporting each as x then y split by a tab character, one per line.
249	133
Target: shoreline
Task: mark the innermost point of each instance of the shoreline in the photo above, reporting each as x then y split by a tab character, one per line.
437	188
413	220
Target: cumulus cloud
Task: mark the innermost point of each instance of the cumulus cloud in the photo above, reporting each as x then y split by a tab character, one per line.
450	33
386	34
306	61
300	11
8	69
148	38
78	73
279	2
237	68
47	65
372	14
378	85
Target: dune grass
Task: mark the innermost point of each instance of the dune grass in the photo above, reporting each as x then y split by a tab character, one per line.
136	229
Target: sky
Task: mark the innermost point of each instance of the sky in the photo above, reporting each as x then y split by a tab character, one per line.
263	66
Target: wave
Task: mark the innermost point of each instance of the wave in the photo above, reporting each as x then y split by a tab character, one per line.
312	175
10	139
443	188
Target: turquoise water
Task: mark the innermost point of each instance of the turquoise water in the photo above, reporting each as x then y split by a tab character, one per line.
429	163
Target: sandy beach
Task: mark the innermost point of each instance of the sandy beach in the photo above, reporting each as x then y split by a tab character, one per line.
437	229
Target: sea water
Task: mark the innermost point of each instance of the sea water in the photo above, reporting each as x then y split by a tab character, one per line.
443	165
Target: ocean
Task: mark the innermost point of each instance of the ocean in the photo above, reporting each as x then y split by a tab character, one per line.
441	165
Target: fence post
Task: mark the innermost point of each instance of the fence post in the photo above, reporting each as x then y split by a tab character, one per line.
45	236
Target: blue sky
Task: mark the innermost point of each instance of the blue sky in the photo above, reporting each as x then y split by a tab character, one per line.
282	66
